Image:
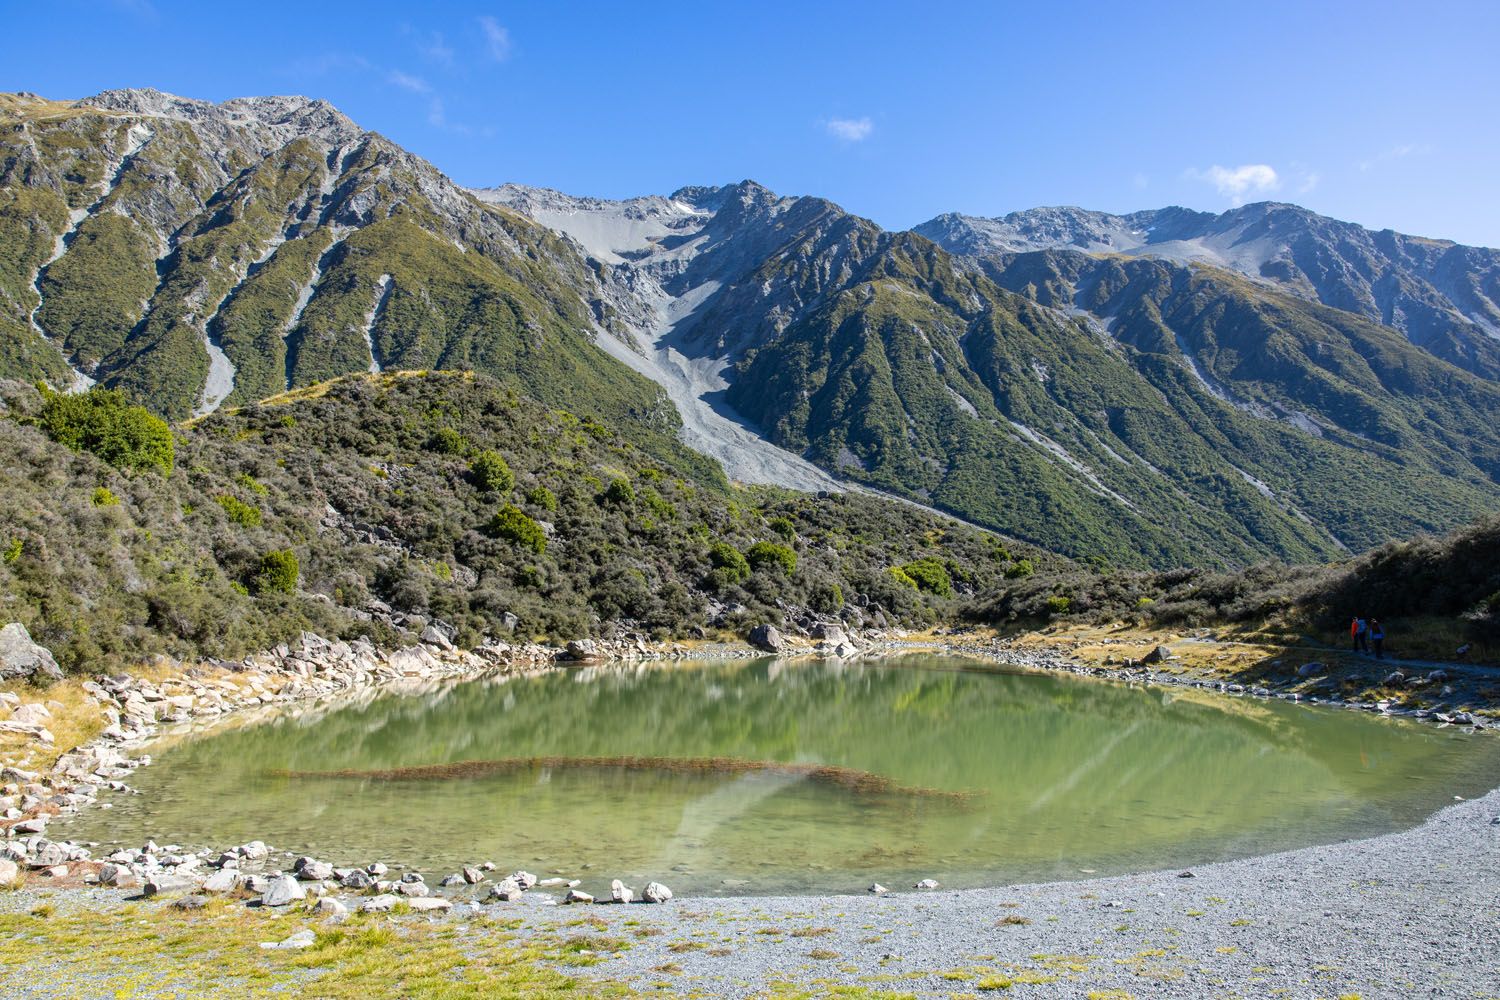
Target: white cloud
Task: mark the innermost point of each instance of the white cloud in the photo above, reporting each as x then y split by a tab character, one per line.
1235	183
496	38
1394	153
1141	182
850	129
1309	181
406	81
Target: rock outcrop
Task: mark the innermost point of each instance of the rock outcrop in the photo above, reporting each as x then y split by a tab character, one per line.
22	659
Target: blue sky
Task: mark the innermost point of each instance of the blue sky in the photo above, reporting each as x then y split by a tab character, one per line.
1381	113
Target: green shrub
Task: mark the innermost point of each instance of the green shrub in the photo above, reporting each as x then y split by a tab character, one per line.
770	554
238	511
277	573
729	565
1019	570
104	423
899	575
512	524
449	442
659	505
930	576
104	497
249	482
784	527
540	496
826	597
620	491
12	551
1058	604
492	472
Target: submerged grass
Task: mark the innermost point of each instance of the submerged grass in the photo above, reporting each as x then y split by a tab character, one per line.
851	779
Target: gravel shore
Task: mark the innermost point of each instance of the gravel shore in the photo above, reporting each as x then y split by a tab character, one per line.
1415	913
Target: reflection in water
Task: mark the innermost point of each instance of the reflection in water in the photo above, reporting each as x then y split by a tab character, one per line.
1066	773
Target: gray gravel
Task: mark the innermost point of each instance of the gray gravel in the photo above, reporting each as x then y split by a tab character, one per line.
1407	914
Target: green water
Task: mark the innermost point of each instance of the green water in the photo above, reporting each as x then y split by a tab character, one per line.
1064	774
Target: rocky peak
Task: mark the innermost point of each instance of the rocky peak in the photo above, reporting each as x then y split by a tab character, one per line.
280	118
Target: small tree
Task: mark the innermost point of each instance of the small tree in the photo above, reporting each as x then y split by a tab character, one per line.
770	554
492	472
277	573
730	566
449	442
103	422
930	576
619	491
512	524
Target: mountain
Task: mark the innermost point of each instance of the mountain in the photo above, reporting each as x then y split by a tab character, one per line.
1101	400
1177	415
1444	296
199	254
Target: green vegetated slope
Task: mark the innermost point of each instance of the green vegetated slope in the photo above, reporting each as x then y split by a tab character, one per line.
1303	431
447	496
1436	591
303	258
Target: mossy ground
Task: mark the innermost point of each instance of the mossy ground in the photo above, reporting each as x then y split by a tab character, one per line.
152	950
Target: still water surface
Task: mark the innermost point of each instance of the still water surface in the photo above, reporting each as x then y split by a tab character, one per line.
1053	775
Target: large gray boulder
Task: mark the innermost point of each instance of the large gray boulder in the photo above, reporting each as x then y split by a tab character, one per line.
283	891
766	637
20	658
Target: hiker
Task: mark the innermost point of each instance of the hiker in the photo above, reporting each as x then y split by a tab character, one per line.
1377	636
1359	631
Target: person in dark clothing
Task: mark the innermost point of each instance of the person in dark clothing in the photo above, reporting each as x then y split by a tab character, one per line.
1360	629
1377	636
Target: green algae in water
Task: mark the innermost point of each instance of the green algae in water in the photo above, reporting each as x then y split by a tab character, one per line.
971	776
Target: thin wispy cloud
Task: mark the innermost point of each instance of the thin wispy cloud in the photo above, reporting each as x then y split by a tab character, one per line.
1394	153
407	81
434	48
850	129
1239	183
327	62
496	38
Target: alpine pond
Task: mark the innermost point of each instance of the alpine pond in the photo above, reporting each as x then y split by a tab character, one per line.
799	776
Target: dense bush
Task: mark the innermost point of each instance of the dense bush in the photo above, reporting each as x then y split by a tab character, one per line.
491	472
277	573
619	491
447	441
929	575
730	565
238	511
763	554
513	524
103	422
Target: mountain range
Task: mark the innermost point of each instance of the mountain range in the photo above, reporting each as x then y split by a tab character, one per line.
1158	388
